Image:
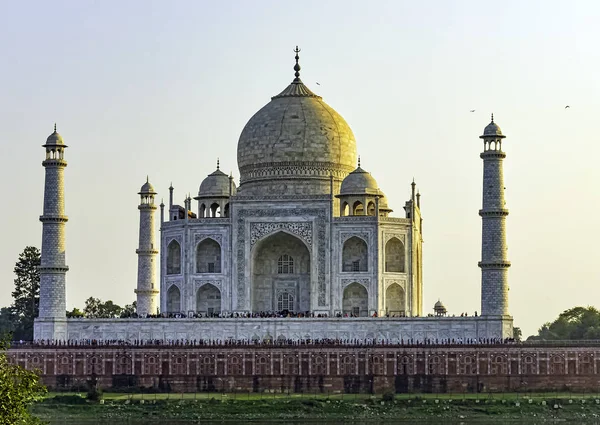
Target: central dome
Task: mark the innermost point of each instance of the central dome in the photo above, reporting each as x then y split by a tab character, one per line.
293	144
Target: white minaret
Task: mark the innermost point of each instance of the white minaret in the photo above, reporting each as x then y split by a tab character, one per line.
51	322
147	284
494	263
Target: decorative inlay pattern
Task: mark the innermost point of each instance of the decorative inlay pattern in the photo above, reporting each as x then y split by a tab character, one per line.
363	235
400	236
198	283
300	229
201	236
363	282
319	215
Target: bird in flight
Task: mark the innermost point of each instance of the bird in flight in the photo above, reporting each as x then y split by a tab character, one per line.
567	106
318	84
472	110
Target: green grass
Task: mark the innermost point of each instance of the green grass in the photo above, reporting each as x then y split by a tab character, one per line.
261	406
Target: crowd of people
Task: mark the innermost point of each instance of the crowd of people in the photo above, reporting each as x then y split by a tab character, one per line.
268	315
266	341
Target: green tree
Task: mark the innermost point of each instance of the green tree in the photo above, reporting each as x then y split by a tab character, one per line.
517	334
574	324
7	321
96	308
75	313
26	295
129	309
19	388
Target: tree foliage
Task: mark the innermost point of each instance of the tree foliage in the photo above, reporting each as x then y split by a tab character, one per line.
26	294
574	324
96	308
19	388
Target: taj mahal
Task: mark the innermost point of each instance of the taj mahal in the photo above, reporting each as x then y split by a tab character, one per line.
304	246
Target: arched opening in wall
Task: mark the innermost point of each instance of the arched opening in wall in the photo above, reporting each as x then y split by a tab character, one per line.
345	209
280	265
355	255
202	211
226	213
394	256
215	210
173	300
395	301
371	208
208	300
358	208
208	256
355	302
173	258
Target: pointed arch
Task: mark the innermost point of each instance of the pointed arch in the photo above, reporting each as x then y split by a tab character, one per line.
174	257
345	209
215	210
371	208
202	211
173	299
358	208
208	299
355	255
208	256
394	256
395	300
280	264
355	300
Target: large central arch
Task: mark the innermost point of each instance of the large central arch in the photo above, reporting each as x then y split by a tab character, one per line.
280	274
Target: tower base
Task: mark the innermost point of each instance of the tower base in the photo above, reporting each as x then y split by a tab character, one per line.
50	329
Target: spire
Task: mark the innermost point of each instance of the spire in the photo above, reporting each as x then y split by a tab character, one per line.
55	127
297	66
358	161
218	165
492	117
147	179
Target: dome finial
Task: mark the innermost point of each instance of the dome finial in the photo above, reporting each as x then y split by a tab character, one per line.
358	161
55	127
218	164
147	179
297	66
492	117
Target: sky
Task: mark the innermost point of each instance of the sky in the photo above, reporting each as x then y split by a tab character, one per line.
163	88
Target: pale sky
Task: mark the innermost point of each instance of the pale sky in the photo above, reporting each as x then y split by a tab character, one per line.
165	87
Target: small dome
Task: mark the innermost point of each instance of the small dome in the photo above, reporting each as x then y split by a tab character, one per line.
359	182
147	189
216	185
54	139
439	304
492	130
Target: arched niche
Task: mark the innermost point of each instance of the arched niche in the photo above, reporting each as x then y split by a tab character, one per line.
394	256
208	299
173	258
355	255
280	264
395	300
355	301
173	299
208	256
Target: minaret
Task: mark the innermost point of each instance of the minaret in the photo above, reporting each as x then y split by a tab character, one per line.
494	263
147	284
51	322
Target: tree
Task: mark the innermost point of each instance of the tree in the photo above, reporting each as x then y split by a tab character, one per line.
96	308
7	321
517	334
129	310
75	313
574	324
19	388
26	295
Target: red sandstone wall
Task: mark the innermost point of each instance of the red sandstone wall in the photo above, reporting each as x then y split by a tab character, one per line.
319	369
